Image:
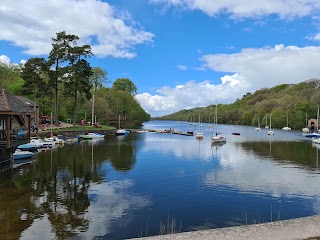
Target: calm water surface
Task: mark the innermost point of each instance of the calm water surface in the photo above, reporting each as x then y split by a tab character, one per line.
143	183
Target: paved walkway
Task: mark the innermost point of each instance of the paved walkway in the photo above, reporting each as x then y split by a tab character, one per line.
299	228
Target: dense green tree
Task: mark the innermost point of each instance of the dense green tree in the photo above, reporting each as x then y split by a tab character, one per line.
125	84
78	74
58	59
10	78
33	73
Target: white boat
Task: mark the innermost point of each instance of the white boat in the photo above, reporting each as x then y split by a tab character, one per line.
121	131
91	135
37	141
287	128
258	128
217	138
270	132
21	154
306	130
54	140
266	122
199	134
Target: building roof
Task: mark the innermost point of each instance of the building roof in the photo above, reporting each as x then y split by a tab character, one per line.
12	105
27	101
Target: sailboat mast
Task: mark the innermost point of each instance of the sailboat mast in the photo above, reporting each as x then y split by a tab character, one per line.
318	120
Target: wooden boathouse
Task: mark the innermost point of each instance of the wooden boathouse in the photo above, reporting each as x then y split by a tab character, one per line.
15	125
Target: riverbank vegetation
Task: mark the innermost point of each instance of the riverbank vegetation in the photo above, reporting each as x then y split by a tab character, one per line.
66	85
294	101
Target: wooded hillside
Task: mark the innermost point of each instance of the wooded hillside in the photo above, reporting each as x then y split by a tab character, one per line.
292	100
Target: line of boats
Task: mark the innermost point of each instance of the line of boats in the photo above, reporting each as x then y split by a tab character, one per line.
36	144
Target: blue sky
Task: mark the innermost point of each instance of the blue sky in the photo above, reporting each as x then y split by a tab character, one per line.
180	54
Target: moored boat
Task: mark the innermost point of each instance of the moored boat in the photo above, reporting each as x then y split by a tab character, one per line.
21	154
91	135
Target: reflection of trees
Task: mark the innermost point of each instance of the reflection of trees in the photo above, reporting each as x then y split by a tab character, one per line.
122	155
12	205
300	153
57	185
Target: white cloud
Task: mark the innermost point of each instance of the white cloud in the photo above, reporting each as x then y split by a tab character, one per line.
5	59
246	71
190	95
245	8
32	24
182	67
267	67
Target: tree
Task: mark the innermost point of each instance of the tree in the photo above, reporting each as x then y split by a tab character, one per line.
78	73
78	80
99	77
33	75
125	84
59	55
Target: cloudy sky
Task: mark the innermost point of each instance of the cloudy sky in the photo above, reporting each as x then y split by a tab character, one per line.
181	54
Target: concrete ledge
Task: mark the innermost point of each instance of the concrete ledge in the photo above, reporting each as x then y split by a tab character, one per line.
299	228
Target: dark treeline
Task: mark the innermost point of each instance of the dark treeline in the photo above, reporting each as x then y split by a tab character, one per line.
294	101
66	85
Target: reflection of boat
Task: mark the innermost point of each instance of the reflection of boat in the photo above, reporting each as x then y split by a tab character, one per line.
21	154
91	135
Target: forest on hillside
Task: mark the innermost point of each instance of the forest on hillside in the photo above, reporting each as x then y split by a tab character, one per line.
67	86
295	101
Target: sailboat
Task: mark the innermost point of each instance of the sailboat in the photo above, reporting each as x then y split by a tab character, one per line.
258	128
217	138
199	133
266	122
287	127
270	132
121	131
305	130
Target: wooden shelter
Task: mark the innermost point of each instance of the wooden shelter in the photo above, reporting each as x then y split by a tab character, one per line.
15	125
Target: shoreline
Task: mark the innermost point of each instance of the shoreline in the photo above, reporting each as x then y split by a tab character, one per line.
298	228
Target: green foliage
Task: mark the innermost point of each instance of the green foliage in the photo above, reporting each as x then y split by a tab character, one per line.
125	84
64	84
10	78
294	101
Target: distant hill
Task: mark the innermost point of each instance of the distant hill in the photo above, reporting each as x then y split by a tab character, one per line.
292	100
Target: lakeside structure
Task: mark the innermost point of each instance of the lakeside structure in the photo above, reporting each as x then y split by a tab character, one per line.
15	125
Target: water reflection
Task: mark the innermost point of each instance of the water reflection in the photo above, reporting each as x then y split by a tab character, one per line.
274	168
65	193
123	187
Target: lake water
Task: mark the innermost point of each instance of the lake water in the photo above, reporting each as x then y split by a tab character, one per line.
145	184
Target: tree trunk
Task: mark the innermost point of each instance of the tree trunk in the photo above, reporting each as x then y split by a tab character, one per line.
75	109
56	94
